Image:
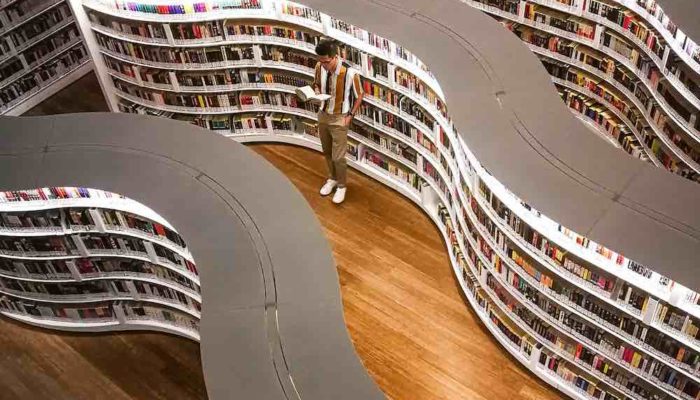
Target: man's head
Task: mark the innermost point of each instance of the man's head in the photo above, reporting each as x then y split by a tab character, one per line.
327	52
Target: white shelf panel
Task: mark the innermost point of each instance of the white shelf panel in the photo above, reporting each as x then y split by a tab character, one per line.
104	325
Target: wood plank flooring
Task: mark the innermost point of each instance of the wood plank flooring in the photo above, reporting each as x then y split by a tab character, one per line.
414	333
42	364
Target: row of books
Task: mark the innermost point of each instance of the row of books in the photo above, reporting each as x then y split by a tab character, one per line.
398	171
37	245
210	54
45	219
298	10
614	13
182	8
272	30
415	85
558	20
678	321
146	30
91	267
82	218
117	220
388	119
39	25
69	246
147	311
393	146
55	193
597	114
143	289
194	31
286	54
98	242
41	77
101	288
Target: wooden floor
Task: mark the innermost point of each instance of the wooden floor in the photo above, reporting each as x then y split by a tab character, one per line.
41	364
410	326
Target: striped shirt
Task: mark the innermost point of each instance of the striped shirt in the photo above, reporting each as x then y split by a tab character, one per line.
343	85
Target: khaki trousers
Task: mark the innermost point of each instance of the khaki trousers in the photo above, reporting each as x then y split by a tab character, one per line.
334	140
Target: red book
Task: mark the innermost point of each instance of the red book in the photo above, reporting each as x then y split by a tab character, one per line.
626	22
159	229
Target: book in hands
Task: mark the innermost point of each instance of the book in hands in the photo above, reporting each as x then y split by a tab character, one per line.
307	93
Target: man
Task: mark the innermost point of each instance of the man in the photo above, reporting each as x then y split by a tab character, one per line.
342	83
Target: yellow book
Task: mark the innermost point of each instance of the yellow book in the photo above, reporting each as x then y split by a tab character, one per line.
636	359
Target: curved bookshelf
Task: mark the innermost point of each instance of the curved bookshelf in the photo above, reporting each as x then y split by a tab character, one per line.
74	247
634	352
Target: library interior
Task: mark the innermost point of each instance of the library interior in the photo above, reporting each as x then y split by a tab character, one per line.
350	199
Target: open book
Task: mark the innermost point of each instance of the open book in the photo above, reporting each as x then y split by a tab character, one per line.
307	93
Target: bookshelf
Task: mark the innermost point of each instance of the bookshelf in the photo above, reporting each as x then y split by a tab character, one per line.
85	259
615	38
613	327
41	52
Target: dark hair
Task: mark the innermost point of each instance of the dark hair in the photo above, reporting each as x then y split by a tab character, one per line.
327	47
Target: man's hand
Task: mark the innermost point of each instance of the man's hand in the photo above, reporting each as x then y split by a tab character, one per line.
347	120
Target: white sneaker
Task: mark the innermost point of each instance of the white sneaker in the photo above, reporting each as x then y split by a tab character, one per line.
328	187
339	195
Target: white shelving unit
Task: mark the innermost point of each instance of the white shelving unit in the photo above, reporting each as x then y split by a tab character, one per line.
114	276
445	180
41	45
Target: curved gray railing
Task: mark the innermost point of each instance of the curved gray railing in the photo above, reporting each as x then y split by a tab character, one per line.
507	111
272	320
